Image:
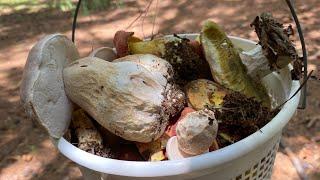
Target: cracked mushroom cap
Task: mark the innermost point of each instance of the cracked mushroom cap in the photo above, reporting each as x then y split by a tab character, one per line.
124	97
196	132
42	89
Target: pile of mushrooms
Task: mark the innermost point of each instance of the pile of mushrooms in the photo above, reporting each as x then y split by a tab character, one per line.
160	95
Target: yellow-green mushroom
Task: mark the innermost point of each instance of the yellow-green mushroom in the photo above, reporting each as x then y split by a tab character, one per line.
226	66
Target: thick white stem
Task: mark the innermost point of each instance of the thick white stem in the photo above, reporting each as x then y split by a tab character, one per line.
257	63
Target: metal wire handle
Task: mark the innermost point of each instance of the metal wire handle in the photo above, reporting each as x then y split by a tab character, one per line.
74	23
303	100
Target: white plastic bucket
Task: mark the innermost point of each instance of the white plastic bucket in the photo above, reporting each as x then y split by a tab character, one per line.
250	158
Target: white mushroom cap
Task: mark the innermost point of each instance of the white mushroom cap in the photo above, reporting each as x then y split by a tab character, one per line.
196	132
124	97
42	89
105	53
163	73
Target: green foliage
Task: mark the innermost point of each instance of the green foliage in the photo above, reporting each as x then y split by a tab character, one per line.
17	5
64	5
94	5
86	5
120	4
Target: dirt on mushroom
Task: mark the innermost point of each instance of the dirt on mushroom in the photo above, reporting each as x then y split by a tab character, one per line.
240	116
186	61
276	44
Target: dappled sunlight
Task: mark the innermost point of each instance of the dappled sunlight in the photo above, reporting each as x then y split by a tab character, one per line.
9	136
26	152
74	172
314	34
47	144
21	170
312	67
29	164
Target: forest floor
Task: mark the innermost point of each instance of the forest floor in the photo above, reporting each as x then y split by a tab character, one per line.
26	152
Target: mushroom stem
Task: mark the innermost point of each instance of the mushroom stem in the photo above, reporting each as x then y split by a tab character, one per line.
89	139
196	132
258	65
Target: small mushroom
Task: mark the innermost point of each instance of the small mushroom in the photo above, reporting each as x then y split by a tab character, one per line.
121	42
104	53
124	97
88	136
42	89
195	134
171	129
197	131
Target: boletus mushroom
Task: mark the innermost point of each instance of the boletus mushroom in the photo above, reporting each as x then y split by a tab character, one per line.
202	93
42	89
226	66
196	132
127	98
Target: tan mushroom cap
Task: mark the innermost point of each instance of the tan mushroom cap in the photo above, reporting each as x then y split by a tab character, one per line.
201	93
42	89
105	53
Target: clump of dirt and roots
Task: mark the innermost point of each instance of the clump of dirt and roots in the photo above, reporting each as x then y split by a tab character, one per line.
239	117
187	63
